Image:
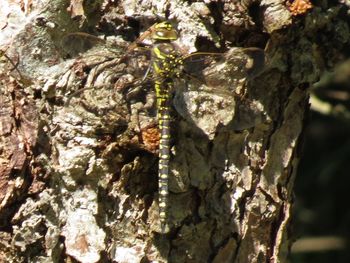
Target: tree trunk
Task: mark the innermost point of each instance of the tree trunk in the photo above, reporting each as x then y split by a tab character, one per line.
79	138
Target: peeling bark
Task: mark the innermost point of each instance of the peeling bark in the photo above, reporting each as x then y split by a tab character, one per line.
18	130
78	174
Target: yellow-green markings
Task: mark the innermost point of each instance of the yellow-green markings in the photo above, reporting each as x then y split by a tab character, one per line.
166	61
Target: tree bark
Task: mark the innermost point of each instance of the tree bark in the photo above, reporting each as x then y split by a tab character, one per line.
79	168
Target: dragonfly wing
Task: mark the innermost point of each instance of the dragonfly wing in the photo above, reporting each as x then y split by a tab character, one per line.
74	44
213	97
205	109
77	43
234	67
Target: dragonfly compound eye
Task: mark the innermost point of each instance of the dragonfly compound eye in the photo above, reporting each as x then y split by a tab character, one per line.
164	31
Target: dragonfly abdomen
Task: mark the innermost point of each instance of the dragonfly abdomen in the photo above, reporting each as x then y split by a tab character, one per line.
162	90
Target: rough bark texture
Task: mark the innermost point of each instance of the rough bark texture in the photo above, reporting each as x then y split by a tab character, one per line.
78	175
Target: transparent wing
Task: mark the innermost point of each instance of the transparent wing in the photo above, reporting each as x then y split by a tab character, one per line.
220	70
216	89
74	44
106	64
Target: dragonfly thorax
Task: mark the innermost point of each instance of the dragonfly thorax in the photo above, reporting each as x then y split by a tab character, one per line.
167	61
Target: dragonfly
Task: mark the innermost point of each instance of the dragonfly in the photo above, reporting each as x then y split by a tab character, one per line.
165	67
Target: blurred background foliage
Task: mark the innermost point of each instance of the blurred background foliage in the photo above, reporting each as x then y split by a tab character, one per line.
321	224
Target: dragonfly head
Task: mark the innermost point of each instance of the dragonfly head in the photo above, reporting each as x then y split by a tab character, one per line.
164	31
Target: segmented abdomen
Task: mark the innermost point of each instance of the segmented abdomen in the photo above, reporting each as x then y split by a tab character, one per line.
166	62
162	91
